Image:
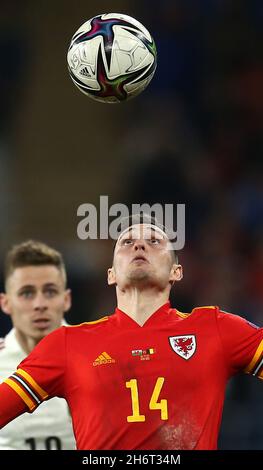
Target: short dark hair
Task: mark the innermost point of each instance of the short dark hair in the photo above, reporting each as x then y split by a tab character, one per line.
32	253
144	218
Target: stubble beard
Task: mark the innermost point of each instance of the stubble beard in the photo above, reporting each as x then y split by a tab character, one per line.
139	277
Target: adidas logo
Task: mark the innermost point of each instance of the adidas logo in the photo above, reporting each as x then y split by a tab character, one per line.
103	358
85	72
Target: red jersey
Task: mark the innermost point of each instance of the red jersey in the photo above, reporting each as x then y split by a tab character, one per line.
156	386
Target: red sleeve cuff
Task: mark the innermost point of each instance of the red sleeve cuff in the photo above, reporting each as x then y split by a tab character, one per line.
11	405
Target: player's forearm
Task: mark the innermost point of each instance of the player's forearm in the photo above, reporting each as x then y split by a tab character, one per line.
11	405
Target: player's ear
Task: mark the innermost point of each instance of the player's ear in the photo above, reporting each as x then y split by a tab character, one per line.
67	300
111	276
176	273
5	304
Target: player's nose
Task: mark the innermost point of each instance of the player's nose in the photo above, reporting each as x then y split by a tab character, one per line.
139	244
40	302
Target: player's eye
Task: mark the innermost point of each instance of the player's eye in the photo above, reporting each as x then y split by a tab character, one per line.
155	241
27	294
50	292
127	241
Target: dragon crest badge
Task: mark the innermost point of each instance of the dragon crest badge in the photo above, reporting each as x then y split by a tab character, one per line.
184	346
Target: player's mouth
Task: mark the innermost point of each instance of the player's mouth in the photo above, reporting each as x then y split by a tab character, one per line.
139	259
42	323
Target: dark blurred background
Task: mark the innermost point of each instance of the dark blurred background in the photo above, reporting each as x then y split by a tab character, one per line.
193	137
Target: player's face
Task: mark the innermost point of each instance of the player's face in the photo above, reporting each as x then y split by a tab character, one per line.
36	300
143	256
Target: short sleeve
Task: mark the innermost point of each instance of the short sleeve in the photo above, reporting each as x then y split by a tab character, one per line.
242	344
40	375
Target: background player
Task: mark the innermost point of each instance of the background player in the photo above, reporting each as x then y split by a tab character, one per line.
148	376
36	299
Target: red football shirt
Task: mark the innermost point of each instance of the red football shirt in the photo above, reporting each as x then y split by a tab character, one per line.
159	386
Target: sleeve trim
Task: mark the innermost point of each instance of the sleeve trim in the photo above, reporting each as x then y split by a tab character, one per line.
12	384
256	364
26	387
33	383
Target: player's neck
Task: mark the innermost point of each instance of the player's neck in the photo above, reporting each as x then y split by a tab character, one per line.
141	305
26	343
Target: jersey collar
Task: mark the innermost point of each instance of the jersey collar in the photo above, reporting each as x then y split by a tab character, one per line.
158	316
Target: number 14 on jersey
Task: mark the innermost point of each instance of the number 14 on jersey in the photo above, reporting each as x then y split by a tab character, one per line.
154	404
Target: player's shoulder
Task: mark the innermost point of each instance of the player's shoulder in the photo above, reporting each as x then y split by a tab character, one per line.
218	312
91	325
203	310
6	353
236	320
8	344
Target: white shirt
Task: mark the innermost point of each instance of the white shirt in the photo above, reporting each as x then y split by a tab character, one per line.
49	427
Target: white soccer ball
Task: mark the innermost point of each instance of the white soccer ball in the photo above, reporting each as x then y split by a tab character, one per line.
112	57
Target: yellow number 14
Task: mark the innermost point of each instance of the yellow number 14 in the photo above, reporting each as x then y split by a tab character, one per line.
153	405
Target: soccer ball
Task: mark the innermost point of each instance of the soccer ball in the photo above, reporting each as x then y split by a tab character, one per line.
112	58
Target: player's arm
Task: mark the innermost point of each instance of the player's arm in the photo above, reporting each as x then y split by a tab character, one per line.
11	405
242	344
39	377
255	367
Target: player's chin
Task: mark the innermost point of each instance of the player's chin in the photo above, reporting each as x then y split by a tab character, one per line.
138	274
40	331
